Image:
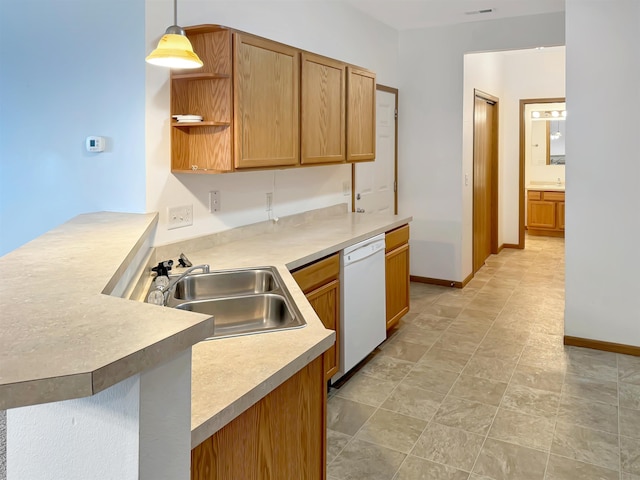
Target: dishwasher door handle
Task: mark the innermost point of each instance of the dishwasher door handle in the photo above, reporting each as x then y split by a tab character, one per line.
363	253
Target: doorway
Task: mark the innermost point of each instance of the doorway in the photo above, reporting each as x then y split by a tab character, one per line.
375	184
485	177
522	164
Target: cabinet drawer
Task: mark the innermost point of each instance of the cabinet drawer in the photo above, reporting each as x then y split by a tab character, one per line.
395	238
554	196
318	273
534	195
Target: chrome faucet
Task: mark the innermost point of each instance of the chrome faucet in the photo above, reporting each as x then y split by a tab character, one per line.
159	295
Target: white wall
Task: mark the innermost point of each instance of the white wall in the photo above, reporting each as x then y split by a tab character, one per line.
138	429
69	69
602	211
511	76
328	28
482	71
431	172
528	74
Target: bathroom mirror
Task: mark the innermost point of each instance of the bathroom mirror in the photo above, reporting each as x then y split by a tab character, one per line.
546	133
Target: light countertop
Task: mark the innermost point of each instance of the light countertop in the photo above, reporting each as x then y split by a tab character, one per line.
62	335
231	374
546	187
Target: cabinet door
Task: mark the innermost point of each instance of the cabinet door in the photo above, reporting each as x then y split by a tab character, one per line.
322	110
560	212
283	436
266	82
326	302
541	214
361	115
397	284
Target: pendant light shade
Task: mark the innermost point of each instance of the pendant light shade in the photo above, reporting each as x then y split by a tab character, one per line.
174	48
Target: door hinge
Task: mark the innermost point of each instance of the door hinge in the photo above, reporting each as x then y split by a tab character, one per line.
395	112
395	186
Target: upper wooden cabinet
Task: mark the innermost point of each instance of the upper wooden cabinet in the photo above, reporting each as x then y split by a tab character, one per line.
268	105
266	84
361	115
323	110
204	146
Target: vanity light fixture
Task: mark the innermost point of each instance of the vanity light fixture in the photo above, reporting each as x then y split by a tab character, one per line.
174	48
548	115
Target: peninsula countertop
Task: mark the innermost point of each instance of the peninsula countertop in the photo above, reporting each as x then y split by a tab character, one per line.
62	335
231	374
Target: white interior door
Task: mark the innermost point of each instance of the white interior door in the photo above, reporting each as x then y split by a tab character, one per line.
374	182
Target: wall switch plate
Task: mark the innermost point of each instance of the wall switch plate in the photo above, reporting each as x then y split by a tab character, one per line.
214	201
180	216
346	188
269	201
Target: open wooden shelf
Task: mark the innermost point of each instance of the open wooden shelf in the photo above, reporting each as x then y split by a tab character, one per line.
200	124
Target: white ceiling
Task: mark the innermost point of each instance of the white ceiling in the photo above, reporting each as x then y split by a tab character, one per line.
408	14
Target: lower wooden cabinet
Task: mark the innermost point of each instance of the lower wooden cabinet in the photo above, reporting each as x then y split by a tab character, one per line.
397	274
320	282
283	436
545	213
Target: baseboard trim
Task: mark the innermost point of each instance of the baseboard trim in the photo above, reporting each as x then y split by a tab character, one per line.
467	280
601	345
545	233
436	281
512	245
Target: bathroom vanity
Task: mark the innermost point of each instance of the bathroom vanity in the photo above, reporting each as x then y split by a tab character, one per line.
545	211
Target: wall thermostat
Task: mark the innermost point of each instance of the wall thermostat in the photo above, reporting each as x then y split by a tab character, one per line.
95	144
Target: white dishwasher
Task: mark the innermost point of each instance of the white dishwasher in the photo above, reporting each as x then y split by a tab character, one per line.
363	306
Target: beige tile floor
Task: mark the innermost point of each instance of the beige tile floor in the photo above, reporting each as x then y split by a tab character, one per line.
477	384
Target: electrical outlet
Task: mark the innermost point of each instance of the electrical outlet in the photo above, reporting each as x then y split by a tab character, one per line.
180	216
214	201
269	201
346	188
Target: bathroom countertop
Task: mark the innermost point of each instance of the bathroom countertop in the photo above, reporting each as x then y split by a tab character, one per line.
546	187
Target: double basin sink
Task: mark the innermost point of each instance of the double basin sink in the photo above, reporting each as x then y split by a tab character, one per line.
242	302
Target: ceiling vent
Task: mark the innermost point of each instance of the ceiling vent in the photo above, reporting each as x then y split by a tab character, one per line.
477	12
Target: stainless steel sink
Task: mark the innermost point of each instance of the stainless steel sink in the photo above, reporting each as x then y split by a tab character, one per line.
242	315
226	283
242	301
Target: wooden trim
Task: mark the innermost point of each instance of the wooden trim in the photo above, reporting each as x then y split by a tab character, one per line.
548	134
467	280
523	103
539	232
511	245
602	345
436	281
494	162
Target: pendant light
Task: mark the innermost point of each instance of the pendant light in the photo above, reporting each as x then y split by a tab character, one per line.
174	48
